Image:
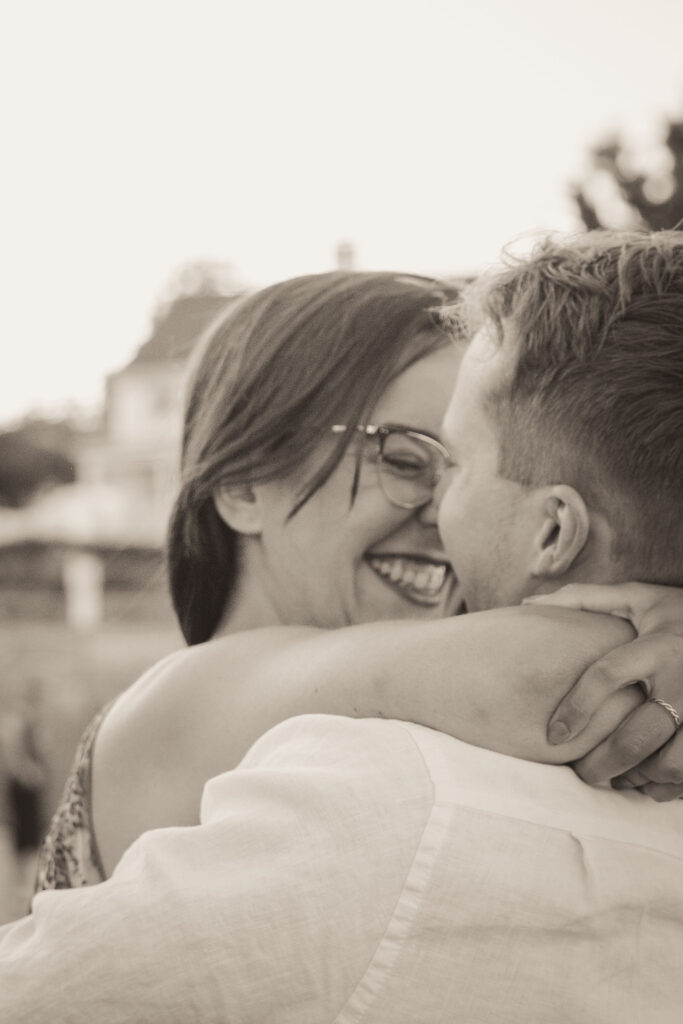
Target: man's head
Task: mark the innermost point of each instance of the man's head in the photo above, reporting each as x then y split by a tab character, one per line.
566	425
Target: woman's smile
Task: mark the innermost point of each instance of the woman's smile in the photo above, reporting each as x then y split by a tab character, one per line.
415	577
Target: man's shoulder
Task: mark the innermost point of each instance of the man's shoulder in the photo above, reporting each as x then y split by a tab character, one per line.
389	750
343	769
383	752
368	747
386	757
474	779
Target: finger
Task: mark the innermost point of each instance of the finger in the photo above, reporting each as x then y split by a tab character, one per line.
631	780
617	669
612	599
649	607
662	792
654	661
646	729
664	767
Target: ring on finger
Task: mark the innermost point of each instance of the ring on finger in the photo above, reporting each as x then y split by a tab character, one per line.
669	708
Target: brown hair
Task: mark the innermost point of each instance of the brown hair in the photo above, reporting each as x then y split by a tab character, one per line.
273	375
595	399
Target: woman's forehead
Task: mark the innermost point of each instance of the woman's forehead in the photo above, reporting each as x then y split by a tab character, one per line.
420	393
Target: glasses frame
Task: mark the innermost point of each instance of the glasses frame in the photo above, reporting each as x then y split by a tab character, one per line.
382	432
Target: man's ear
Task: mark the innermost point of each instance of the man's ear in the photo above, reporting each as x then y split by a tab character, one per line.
239	507
564	531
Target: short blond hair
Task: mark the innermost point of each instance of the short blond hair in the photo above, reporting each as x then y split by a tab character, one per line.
595	399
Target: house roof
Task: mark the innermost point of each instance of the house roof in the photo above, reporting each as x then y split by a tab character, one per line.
177	328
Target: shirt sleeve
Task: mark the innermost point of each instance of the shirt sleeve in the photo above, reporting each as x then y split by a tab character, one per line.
269	910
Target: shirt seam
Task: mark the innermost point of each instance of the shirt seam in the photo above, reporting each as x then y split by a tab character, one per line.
575	832
371	983
347	1014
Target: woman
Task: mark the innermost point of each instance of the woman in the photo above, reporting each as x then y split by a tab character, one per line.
310	455
278	522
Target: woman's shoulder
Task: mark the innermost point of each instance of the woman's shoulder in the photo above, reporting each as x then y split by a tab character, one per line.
192	682
160	741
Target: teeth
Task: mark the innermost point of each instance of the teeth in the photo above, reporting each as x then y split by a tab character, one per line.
425	578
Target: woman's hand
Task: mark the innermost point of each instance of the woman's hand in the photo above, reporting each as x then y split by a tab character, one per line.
646	751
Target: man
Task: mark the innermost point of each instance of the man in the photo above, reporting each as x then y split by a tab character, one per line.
380	871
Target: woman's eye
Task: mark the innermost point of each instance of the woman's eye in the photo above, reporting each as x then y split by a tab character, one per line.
406	465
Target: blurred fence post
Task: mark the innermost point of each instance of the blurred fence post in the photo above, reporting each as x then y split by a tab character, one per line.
83	577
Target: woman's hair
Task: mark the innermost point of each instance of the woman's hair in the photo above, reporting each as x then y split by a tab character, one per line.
270	379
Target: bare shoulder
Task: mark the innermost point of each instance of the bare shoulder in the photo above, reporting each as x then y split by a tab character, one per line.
164	736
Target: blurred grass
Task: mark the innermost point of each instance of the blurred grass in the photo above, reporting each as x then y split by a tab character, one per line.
78	673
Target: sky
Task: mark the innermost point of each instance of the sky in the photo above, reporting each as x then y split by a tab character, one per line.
139	135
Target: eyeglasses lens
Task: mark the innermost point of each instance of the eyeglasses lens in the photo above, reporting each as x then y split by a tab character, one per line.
408	470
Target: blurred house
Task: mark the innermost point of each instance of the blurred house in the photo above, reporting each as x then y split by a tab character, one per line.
130	466
85	544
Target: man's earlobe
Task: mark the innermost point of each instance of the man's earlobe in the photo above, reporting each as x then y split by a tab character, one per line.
239	507
563	534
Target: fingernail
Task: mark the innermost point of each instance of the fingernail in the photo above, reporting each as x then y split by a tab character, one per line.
621	784
558	732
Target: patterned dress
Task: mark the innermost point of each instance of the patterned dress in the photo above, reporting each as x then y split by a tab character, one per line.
69	856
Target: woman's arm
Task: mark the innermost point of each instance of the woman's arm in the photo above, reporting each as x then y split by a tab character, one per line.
491	678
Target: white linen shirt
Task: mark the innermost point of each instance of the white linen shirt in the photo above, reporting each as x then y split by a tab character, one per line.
372	871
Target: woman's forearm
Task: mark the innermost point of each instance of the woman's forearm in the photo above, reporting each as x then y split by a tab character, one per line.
492	678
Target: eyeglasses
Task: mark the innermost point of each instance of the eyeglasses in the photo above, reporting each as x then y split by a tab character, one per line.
409	463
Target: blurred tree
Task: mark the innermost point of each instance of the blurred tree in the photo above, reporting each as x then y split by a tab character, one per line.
26	467
200	277
618	193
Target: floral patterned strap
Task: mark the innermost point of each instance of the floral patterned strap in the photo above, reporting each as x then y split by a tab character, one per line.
69	857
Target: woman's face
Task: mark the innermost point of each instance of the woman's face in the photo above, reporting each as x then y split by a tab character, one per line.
335	564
